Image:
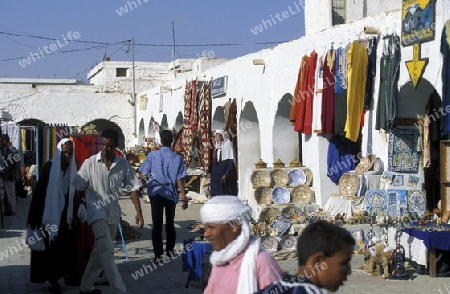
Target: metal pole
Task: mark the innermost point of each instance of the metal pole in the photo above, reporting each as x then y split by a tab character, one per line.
134	89
174	47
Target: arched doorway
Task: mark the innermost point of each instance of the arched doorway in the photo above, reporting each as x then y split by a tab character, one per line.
141	133
283	132
103	124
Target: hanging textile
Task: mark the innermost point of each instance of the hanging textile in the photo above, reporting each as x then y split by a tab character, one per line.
445	50
328	92
371	44
187	135
357	62
388	91
303	123
317	98
204	126
341	157
298	90
231	125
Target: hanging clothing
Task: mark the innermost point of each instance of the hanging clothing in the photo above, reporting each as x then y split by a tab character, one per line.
328	92
341	157
298	94
357	62
204	126
445	50
371	71
388	91
303	123
317	100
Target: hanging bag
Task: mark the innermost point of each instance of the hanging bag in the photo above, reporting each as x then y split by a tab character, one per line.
35	239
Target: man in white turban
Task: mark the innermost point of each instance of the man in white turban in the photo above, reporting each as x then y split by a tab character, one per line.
223	168
239	265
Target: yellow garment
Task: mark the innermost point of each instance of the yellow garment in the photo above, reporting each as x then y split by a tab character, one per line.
24	138
357	62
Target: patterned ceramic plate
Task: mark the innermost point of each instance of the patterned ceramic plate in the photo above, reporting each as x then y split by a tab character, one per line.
296	177
291	211
261	178
309	175
269	243
262	195
302	194
288	242
280	195
348	184
279	177
269	213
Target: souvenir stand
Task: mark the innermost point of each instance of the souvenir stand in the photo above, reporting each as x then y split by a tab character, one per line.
285	204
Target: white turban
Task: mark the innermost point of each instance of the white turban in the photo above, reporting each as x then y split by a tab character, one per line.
224	209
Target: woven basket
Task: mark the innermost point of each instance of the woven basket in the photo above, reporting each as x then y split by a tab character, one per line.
302	194
279	177
262	195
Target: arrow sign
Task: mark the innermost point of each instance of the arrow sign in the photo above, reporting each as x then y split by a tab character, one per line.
416	67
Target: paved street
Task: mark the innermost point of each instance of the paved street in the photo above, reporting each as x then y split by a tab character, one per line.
169	278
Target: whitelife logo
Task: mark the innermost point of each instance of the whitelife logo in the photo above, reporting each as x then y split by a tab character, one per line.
46	50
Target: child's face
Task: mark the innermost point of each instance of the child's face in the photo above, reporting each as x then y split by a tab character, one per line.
338	268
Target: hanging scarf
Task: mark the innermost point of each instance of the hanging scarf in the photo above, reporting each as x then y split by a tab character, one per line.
55	198
225	209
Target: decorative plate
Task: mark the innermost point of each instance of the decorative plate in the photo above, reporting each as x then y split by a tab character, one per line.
302	194
309	175
291	211
262	195
280	195
288	242
296	177
269	243
416	201
268	214
279	177
261	178
348	184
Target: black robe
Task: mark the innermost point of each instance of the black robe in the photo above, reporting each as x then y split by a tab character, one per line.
218	169
59	257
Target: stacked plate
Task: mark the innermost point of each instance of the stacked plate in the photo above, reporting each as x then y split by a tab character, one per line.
296	177
261	178
302	194
262	195
348	184
279	177
280	195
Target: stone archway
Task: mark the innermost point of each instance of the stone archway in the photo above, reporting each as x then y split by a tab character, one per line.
218	119
164	124
283	132
141	133
103	124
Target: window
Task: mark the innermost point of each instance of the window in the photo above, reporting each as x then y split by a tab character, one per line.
338	11
121	72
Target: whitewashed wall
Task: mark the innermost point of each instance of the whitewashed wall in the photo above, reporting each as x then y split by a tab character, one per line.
264	86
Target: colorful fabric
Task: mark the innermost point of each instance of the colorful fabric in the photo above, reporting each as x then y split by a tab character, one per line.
204	126
402	154
417	202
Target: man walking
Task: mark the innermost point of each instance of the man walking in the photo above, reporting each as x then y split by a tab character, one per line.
165	172
104	177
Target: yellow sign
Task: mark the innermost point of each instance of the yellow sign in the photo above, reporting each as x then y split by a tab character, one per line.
418	21
416	67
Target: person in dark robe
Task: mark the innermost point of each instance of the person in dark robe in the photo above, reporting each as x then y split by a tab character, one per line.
223	168
52	207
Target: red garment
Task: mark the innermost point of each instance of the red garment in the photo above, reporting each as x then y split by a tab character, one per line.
298	90
328	93
304	118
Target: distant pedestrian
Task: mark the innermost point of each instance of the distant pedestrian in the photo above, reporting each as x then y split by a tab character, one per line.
223	167
165	172
11	161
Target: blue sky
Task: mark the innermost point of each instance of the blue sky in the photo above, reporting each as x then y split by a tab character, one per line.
70	24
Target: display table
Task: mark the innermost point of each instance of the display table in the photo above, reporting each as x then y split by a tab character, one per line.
193	259
340	205
420	246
